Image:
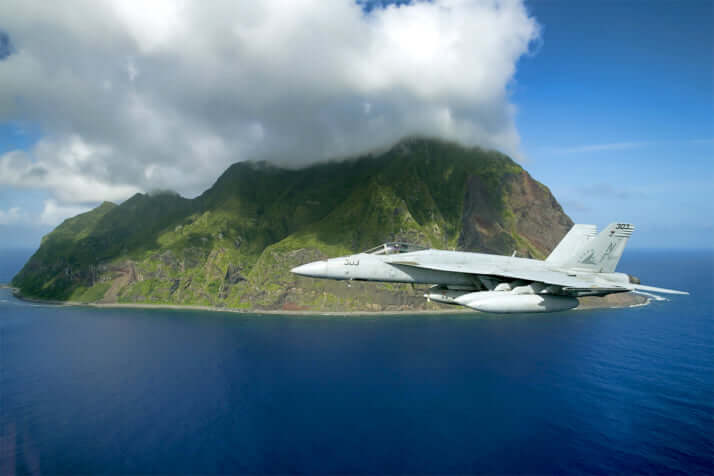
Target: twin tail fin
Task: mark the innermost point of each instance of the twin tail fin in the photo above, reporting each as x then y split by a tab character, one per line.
582	249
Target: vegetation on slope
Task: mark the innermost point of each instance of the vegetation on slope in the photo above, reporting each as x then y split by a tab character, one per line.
234	245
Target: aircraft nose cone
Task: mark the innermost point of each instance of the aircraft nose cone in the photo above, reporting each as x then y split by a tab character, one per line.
315	269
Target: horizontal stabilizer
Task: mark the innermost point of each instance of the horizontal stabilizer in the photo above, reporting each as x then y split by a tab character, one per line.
641	287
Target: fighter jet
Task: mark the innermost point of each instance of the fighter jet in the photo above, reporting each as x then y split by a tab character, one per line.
582	264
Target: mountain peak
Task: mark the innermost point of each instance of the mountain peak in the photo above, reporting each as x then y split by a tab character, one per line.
233	245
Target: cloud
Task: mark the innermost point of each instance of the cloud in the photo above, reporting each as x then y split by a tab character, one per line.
74	171
166	94
601	199
6	48
575	205
604	190
12	216
621	146
601	147
53	214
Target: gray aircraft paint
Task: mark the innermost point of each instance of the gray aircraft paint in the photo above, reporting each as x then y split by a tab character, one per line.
583	264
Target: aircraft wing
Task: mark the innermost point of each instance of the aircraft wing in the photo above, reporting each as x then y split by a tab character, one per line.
450	268
570	284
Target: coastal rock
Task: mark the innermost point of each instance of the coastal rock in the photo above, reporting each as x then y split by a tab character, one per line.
233	275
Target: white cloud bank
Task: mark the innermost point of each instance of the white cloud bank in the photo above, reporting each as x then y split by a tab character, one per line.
54	213
166	94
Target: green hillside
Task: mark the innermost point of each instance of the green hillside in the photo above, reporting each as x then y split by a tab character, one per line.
233	246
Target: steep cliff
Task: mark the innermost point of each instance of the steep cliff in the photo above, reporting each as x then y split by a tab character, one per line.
234	245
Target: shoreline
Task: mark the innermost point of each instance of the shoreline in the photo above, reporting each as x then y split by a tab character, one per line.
189	307
196	307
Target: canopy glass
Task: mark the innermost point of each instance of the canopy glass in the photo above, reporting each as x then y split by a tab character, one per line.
394	247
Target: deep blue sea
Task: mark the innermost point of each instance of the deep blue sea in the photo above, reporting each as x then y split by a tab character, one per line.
155	391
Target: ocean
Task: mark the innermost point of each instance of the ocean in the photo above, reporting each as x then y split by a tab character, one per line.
613	391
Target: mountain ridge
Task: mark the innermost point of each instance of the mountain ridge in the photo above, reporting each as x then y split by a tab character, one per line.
233	245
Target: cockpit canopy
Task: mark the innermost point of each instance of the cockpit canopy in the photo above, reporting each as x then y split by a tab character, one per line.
393	248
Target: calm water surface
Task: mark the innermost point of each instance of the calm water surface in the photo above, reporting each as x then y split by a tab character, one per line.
124	391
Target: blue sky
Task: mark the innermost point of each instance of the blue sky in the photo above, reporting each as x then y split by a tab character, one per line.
616	115
614	107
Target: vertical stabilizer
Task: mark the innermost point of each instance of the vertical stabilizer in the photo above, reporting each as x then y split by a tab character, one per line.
602	253
574	240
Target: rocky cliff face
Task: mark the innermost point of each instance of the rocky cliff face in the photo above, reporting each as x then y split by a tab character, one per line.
234	245
520	214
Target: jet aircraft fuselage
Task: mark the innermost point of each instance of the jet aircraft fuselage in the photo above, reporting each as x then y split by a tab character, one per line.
583	264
